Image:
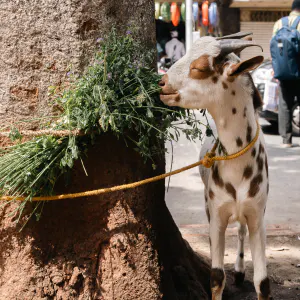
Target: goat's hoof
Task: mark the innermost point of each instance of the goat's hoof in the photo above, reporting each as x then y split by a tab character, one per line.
239	278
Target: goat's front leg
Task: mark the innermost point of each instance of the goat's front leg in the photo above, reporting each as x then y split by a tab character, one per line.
217	230
257	238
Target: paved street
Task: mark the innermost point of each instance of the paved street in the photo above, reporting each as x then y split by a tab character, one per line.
185	197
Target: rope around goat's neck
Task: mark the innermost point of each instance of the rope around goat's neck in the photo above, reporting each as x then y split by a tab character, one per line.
207	162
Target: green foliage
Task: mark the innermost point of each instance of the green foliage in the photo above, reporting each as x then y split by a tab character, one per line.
117	93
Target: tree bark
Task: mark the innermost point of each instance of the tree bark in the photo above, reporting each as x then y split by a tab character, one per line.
229	17
123	245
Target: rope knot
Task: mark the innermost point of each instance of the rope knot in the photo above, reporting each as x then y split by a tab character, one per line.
208	160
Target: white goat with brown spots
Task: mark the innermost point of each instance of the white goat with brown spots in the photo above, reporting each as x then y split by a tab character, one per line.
211	76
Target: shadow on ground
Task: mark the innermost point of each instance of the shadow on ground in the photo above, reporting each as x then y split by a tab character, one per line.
283	256
247	290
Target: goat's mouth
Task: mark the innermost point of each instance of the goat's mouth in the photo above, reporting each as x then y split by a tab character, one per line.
168	95
174	97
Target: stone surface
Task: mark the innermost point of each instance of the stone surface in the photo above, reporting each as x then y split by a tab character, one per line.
40	40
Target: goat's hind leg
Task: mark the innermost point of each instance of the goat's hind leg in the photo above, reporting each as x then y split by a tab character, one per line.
239	268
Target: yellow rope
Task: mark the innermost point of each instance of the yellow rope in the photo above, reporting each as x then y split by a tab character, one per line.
207	162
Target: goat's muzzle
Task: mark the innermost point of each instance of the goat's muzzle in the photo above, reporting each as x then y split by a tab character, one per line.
168	95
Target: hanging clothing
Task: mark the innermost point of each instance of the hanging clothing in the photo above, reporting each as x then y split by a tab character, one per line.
175	49
205	19
213	14
175	14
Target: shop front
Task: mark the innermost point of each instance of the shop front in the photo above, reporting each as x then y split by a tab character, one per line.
259	17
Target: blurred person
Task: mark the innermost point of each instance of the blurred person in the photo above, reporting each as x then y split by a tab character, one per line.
290	88
174	48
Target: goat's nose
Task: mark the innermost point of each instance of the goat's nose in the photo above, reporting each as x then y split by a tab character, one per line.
163	81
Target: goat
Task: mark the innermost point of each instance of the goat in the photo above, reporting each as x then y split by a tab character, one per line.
211	76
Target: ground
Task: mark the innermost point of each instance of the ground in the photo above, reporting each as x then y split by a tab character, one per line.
185	200
283	253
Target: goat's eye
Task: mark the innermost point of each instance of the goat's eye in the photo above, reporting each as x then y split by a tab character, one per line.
197	73
199	70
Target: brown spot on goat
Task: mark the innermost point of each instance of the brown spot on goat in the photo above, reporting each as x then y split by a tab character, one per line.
217	278
207	214
225	86
266	166
254	185
215	79
230	190
249	134
222	149
211	194
233	93
265	290
239	142
260	163
216	176
245	112
253	152
231	79
200	68
234	110
219	64
257	101
261	149
248	172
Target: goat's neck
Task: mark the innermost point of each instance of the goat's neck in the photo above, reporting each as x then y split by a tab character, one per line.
233	116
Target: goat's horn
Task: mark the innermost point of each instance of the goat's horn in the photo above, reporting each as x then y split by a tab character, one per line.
235	46
236	36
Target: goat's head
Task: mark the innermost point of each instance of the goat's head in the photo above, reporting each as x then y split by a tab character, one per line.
199	78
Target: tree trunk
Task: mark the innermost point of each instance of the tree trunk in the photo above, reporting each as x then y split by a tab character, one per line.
123	245
229	17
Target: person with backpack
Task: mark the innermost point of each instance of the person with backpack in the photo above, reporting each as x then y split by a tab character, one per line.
285	52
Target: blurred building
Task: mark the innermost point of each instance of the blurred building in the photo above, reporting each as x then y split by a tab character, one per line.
226	19
259	16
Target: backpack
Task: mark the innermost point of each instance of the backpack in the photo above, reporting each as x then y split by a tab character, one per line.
285	51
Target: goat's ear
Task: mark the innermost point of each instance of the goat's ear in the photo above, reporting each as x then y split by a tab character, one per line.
245	66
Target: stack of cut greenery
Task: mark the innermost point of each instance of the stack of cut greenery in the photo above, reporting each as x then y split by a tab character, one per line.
118	93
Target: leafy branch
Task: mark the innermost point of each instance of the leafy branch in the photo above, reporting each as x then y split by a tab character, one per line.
117	93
